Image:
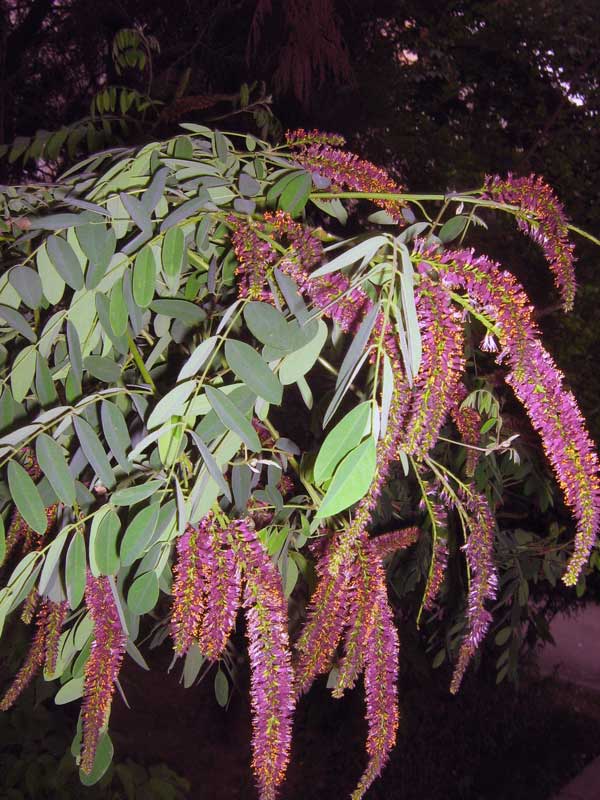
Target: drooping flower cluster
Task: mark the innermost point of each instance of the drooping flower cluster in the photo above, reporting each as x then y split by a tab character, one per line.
381	681
483	580
439	563
32	663
468	422
543	220
388	543
57	615
441	367
303	138
341	599
206	590
331	293
359	619
30	606
255	255
109	641
212	563
338	610
344	170
553	410
538	384
438	513
331	606
255	247
351	598
189	588
19	532
223	587
43	651
272	680
325	620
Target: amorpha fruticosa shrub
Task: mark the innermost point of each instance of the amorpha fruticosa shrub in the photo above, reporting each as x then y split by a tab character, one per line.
172	319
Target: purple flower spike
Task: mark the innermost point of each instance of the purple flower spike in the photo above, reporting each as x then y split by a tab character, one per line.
544	221
468	422
388	543
272	681
57	614
381	679
345	170
223	594
439	563
255	255
483	580
33	661
326	617
103	665
538	384
301	137
441	367
553	411
189	585
359	619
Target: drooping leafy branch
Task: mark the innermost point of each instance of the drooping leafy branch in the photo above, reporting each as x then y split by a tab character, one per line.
163	311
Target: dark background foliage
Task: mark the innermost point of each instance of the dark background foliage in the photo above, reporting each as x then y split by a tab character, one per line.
440	93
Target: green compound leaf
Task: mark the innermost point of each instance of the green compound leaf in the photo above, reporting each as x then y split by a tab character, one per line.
71	690
75	356
105	369
188	313
135	494
26	498
341	440
221	688
75	570
103	541
212	466
144	277
253	371
172	252
297	364
453	228
17	322
52	557
93	451
117	310
197	358
27	283
52	461
232	418
172	404
99	246
351	480
143	593
295	195
23	372
65	261
139	533
44	385
267	324
56	222
116	433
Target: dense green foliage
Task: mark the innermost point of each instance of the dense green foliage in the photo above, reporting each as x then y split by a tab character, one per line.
213	397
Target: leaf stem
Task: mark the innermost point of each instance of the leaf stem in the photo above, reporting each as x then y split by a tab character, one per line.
140	362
